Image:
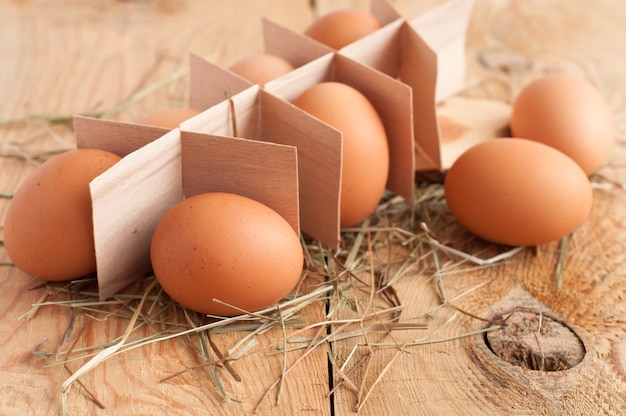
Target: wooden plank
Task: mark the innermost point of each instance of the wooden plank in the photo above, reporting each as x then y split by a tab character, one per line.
135	55
462	376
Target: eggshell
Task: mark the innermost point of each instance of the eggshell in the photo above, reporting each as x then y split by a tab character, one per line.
261	68
227	247
342	27
48	230
365	157
568	113
169	118
518	192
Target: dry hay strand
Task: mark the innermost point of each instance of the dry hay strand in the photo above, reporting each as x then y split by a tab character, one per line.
356	288
354	285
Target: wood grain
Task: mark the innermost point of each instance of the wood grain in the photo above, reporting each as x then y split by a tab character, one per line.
71	57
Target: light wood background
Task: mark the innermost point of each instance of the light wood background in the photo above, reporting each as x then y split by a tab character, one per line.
69	56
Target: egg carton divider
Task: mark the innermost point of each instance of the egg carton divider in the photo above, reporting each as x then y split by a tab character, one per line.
128	202
130	198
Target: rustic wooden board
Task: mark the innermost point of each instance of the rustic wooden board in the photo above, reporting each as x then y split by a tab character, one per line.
77	57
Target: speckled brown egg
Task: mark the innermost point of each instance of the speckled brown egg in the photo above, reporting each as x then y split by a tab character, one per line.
365	157
568	113
261	68
48	229
226	247
342	27
169	118
518	192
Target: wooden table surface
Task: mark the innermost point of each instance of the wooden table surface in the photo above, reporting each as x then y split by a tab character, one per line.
66	57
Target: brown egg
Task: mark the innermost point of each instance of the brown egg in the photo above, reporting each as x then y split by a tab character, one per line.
169	118
261	68
365	158
226	247
342	27
518	192
48	230
568	113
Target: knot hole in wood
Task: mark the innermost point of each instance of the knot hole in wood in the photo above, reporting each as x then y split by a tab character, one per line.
533	340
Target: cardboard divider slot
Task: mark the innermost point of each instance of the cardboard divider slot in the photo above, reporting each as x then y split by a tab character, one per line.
391	98
257	115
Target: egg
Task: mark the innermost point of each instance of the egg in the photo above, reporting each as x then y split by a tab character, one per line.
342	27
365	156
517	192
169	118
261	68
568	113
227	247
48	229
